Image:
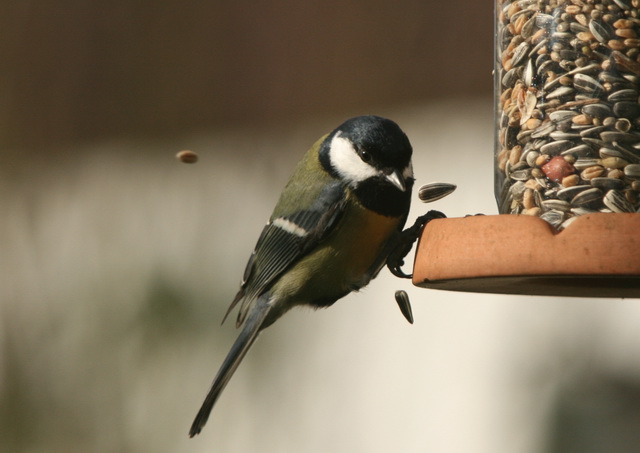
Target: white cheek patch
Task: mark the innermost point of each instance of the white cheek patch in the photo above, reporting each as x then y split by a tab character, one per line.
347	163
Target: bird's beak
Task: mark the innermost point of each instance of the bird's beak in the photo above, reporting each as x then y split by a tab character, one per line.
397	180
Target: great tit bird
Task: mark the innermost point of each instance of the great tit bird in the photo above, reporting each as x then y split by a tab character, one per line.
336	222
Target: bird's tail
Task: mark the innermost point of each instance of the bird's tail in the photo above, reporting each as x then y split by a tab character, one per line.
248	335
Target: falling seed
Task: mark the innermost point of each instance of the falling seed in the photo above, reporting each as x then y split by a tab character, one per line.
187	157
435	191
402	298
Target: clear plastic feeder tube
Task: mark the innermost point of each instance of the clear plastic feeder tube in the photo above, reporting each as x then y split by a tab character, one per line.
567	81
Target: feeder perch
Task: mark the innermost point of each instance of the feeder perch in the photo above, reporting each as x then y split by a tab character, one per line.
597	255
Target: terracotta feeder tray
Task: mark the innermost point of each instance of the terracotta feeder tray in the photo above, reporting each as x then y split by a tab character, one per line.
597	255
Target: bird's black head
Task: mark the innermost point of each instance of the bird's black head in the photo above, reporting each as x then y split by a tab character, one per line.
372	156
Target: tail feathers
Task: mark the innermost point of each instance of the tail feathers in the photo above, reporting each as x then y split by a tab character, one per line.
239	349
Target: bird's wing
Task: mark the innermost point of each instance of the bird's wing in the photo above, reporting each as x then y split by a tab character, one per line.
286	239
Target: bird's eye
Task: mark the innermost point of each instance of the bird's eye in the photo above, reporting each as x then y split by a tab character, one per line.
364	155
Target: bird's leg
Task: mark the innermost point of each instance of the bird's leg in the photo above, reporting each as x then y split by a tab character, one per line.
406	239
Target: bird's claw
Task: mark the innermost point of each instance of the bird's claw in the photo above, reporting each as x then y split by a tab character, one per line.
405	242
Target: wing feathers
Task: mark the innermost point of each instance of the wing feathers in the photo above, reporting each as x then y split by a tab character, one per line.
284	240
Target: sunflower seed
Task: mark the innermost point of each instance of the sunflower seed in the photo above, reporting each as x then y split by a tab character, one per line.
627	153
590	198
527	76
528	27
623	4
610	77
553	217
578	151
620	137
434	191
593	131
587	84
597	110
608	152
632	171
625	94
600	31
543	130
534	50
626	109
562	115
560	92
556	147
584	162
582	211
520	175
561	135
607	183
577	27
511	77
568	193
402	299
594	142
520	53
544	20
617	202
531	158
567	223
557	205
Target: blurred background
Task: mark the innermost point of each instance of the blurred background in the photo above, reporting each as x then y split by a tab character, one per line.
117	262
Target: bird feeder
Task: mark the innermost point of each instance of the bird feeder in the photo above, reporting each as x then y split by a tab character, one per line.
567	160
